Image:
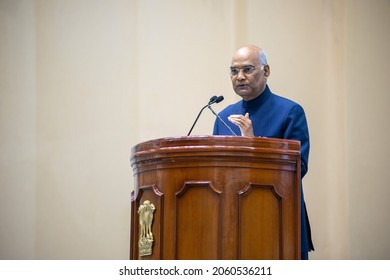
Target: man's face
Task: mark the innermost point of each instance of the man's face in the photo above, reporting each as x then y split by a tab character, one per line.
248	79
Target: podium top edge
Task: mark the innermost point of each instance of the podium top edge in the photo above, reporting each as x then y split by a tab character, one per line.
217	140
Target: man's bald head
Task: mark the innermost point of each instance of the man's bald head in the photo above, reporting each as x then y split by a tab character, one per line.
251	50
249	71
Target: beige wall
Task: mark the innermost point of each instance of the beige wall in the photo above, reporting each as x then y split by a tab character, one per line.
18	101
84	81
368	130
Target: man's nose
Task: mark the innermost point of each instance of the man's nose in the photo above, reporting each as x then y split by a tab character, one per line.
241	75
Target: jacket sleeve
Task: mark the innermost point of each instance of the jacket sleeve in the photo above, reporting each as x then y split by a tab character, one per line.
296	129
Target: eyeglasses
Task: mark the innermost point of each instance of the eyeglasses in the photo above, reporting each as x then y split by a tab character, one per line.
249	69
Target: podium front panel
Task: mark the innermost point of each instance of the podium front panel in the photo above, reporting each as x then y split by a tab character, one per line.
216	197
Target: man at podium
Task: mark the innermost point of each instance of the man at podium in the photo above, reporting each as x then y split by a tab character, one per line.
265	114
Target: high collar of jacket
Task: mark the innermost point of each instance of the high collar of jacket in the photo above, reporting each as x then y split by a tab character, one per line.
256	102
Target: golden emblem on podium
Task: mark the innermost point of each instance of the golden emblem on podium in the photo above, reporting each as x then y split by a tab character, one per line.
145	212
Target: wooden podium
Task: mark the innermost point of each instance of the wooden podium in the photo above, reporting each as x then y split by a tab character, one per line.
215	197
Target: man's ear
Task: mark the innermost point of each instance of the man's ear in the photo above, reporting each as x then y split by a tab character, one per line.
267	70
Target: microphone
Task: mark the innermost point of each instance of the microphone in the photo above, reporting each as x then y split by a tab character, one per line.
212	100
217	100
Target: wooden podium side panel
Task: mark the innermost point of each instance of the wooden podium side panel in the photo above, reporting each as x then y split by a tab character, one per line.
260	228
197	234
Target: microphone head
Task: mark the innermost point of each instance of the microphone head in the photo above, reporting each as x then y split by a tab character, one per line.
212	99
219	99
